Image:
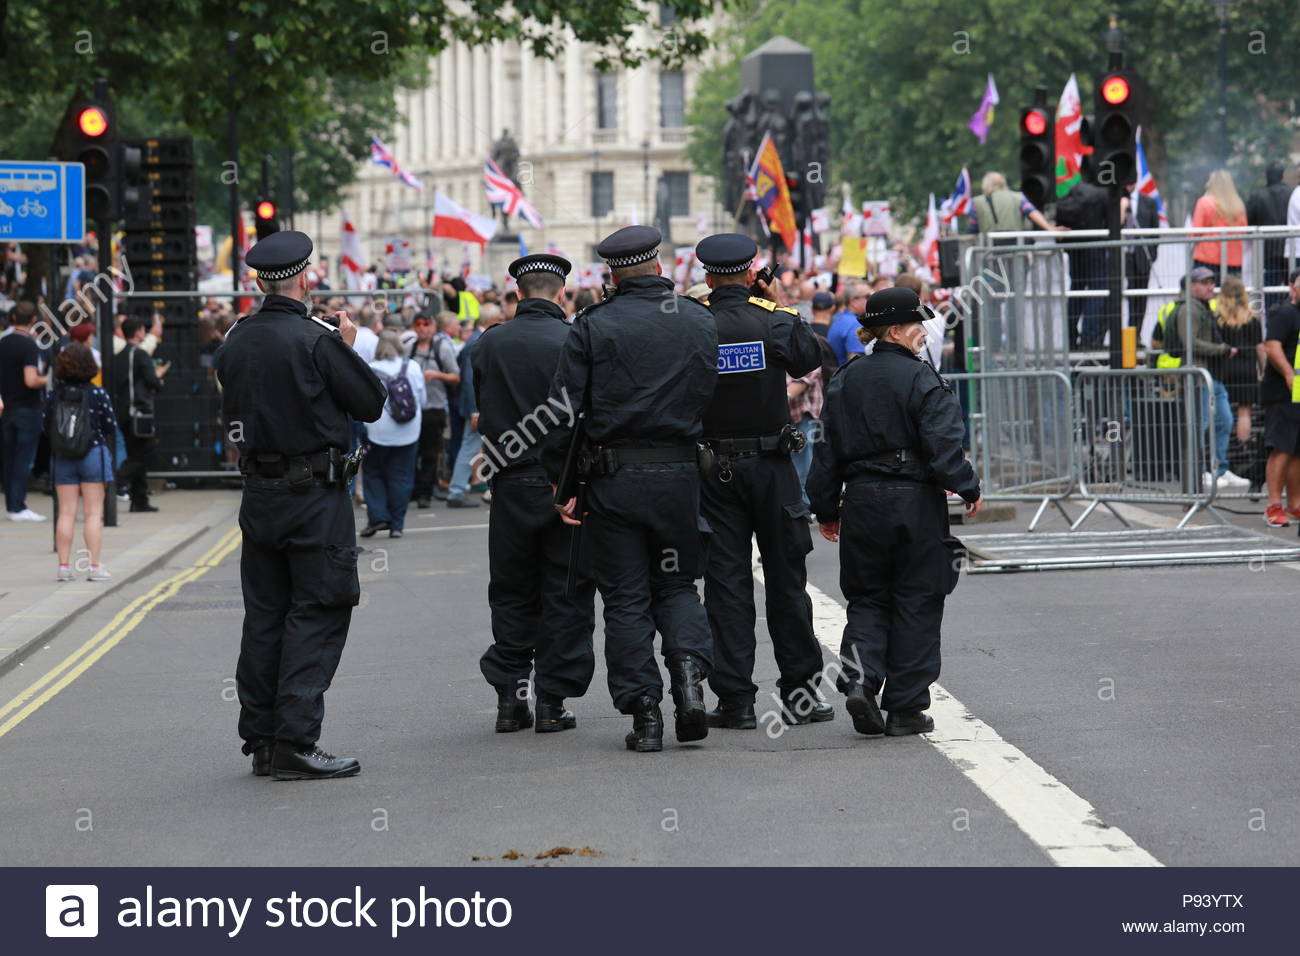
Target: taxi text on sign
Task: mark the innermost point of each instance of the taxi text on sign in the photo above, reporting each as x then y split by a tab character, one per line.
42	202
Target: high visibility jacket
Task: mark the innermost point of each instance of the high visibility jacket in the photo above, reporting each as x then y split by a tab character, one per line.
1165	360
467	306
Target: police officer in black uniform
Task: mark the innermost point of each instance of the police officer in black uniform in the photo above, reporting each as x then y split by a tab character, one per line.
893	432
290	383
536	624
641	365
753	490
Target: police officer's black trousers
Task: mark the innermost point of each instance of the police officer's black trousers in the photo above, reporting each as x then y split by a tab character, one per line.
299	573
534	624
762	499
895	571
645	548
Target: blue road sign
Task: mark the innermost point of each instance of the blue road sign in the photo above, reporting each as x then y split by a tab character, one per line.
42	202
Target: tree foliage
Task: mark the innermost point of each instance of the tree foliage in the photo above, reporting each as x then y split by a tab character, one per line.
904	79
318	75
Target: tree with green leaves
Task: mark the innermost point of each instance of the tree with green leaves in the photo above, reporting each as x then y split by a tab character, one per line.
319	76
904	79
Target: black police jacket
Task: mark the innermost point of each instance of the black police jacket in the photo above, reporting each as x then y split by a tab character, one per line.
514	363
650	358
877	405
758	344
289	383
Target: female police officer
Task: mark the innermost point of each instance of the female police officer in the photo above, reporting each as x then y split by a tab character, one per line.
892	444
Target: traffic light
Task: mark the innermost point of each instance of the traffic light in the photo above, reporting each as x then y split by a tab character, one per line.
1114	160
89	135
265	214
1038	154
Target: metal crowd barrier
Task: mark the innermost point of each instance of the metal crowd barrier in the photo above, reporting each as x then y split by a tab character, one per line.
1097	436
1145	436
1021	436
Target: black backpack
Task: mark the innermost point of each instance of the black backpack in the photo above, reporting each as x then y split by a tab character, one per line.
70	431
401	397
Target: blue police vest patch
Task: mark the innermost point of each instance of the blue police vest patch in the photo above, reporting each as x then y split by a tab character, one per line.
741	357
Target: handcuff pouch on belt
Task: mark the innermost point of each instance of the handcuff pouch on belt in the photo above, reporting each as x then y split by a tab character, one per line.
791	440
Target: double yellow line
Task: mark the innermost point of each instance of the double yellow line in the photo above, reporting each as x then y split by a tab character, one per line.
122	624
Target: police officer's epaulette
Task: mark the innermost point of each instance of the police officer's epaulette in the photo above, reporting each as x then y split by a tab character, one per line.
323	324
770	305
588	309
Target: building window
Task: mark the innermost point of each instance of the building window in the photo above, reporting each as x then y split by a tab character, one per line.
606	100
602	194
672	99
679	193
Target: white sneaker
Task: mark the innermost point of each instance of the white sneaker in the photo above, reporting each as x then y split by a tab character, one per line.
65	574
16	516
99	574
30	515
1233	481
1207	480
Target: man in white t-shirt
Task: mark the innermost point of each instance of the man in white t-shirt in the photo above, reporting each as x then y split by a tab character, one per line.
367	335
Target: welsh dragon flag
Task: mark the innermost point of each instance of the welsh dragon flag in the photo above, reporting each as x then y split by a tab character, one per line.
1069	142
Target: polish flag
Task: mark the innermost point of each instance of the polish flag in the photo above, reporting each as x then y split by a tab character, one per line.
352	260
452	221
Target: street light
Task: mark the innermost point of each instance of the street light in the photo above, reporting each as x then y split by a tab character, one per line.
1221	8
645	172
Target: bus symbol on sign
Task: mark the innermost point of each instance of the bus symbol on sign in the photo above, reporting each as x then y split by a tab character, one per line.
42	202
741	357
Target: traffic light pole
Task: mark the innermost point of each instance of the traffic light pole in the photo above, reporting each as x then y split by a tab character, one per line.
232	139
107	334
1114	279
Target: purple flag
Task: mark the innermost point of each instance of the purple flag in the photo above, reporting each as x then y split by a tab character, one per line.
982	119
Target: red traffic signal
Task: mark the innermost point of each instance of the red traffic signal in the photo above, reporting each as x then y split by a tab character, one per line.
92	121
1115	90
1034	123
266	210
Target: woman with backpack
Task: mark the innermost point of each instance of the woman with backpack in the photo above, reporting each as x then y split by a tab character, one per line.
81	426
392	442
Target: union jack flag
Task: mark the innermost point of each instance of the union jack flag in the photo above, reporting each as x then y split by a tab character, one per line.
380	155
502	191
958	204
1146	183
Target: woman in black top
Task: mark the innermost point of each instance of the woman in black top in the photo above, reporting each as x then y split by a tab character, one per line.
1242	329
82	478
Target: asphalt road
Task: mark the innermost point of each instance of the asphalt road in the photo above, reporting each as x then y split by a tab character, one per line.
1164	698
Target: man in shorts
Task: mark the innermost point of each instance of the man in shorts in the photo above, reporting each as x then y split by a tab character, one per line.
1281	409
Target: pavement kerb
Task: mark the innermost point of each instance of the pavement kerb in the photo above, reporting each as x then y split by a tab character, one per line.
69	608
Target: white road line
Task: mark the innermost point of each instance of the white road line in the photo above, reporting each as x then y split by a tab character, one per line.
1060	822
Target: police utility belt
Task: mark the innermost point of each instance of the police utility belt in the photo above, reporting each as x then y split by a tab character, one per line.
328	467
788	441
604	460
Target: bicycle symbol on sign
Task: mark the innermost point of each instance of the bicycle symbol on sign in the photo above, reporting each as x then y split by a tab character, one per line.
32	207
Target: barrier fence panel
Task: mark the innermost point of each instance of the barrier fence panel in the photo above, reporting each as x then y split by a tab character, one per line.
1021	435
1038	300
1145	436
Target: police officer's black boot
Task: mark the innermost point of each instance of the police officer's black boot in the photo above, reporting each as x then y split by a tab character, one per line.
733	714
647	734
551	715
692	719
262	759
862	708
903	723
512	713
803	705
299	762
